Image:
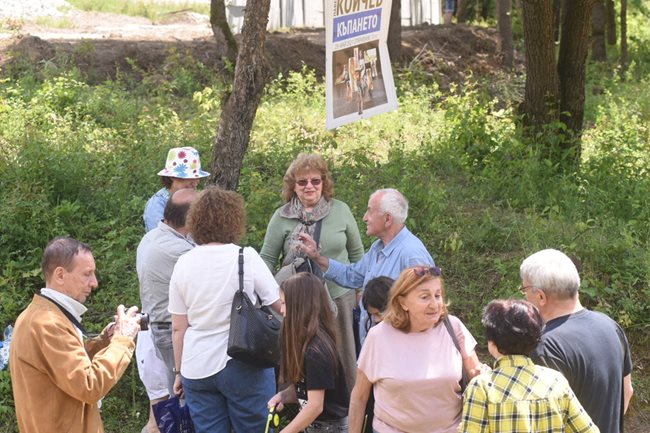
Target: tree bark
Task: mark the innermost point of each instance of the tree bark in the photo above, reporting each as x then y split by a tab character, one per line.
598	24
240	107
465	10
542	83
557	11
395	32
574	47
611	22
485	8
623	35
221	29
504	17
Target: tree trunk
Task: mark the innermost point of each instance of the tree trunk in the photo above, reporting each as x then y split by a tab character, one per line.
598	23
611	22
465	10
542	86
572	59
557	11
240	107
395	32
221	29
623	35
485	8
504	17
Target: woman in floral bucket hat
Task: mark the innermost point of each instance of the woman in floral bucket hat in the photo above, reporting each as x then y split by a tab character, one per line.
182	170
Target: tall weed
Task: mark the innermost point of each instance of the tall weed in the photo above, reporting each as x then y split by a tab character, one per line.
81	159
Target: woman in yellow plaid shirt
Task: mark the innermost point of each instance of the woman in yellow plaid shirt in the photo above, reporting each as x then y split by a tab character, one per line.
519	396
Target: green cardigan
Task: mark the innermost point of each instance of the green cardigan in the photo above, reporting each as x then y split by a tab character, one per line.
339	240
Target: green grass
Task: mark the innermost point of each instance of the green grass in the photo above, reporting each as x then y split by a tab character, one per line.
55	22
152	10
80	159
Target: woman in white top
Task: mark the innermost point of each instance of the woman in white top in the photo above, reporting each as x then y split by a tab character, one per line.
411	361
223	394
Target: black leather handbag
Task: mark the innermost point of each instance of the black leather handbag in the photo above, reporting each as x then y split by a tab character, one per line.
254	336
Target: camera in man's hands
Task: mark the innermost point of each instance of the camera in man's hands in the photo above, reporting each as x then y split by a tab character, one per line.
144	321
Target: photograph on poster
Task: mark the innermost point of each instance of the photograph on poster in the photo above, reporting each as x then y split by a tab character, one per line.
358	82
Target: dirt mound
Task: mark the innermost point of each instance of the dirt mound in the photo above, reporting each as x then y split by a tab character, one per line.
452	52
102	44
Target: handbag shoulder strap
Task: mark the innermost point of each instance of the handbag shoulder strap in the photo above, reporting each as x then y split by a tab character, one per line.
452	334
241	269
313	267
317	229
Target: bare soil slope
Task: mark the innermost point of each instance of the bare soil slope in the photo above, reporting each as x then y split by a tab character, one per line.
100	44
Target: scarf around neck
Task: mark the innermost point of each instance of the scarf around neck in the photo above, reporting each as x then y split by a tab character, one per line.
306	224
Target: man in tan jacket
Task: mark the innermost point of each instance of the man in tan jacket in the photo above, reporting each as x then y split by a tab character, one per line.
58	373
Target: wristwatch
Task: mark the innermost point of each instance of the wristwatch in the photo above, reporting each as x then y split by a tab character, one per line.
176	371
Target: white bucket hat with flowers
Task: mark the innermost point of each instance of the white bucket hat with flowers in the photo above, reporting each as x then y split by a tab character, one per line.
183	163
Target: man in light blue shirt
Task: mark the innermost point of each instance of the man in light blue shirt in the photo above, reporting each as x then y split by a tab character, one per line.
182	170
395	249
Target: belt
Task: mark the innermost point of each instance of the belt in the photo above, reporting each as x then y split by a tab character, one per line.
162	325
342	422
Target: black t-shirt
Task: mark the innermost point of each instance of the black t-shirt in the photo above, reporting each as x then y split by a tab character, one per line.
322	373
592	352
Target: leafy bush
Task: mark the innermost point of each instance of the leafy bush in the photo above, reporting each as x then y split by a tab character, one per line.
81	159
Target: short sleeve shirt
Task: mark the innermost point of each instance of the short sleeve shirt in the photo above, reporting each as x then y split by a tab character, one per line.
202	287
413	373
322	373
592	352
519	396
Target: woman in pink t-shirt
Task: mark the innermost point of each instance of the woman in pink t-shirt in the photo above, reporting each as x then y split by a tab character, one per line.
411	362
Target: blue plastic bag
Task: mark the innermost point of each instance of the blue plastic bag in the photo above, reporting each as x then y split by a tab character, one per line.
171	417
4	347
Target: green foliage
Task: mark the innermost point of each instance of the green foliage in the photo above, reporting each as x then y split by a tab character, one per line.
148	9
81	159
55	22
6	399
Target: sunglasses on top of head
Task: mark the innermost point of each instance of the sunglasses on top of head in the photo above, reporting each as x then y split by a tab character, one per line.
421	271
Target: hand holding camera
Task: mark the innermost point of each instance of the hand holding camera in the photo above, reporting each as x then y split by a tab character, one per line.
129	322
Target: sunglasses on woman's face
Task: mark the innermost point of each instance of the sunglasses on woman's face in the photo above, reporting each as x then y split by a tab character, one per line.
303	182
421	271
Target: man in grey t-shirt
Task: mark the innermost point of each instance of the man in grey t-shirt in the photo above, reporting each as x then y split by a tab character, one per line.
157	254
588	347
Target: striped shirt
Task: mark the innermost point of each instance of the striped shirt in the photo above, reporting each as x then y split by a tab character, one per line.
521	397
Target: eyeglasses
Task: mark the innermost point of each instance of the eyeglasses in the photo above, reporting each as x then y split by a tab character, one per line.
523	289
421	271
303	182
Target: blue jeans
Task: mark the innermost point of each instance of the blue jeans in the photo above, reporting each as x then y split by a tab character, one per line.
234	398
449	5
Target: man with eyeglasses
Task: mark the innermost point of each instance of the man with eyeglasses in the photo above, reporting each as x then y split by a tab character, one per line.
588	347
395	249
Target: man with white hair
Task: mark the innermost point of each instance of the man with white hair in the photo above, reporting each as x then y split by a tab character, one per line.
588	347
395	249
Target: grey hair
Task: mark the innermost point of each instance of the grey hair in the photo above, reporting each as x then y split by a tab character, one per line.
393	202
552	271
